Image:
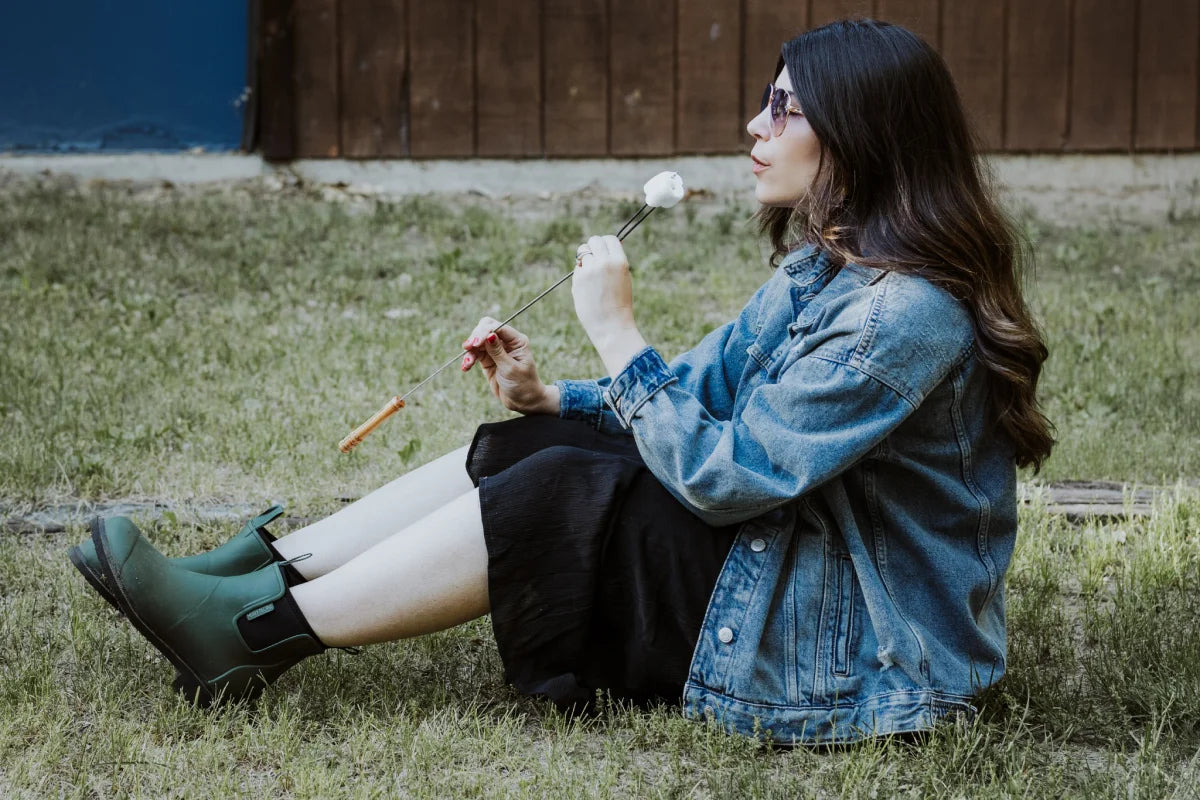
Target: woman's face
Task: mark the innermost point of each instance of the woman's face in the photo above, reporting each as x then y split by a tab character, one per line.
791	159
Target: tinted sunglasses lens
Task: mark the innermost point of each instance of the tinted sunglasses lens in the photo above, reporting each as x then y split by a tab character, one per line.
778	113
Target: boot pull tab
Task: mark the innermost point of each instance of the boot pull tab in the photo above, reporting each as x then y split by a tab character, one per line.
271	514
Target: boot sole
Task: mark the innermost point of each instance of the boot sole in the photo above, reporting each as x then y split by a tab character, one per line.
76	556
187	681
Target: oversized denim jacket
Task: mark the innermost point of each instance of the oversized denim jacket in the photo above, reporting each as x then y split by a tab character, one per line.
840	419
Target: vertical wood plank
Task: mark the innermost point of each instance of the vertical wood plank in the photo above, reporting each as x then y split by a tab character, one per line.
973	46
575	46
277	132
315	34
642	71
1102	75
508	76
441	78
919	16
824	11
1039	44
373	85
708	105
768	24
1167	74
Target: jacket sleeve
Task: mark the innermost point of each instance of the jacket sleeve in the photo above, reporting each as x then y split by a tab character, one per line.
710	372
822	413
584	400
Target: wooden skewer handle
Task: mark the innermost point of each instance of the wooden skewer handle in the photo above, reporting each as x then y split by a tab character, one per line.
360	433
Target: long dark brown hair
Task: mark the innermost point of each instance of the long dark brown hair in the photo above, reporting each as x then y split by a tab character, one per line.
900	187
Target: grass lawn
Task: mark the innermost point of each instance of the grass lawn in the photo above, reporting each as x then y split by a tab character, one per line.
214	346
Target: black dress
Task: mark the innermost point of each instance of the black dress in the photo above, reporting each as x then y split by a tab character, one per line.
598	578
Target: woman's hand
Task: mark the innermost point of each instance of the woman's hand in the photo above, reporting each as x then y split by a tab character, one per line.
603	292
507	361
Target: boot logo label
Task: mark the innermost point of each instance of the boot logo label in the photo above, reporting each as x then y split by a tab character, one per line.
258	612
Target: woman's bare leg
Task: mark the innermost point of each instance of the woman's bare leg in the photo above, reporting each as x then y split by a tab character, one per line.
338	538
430	576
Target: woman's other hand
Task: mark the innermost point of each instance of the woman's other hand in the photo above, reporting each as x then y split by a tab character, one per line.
507	362
603	292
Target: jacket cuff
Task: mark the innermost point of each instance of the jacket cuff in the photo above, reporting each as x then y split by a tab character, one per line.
644	375
580	400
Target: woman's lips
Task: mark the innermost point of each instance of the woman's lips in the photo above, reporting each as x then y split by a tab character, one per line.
758	165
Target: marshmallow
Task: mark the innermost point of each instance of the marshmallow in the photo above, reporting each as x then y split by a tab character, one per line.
664	190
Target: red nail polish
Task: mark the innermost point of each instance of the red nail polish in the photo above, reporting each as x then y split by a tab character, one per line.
492	338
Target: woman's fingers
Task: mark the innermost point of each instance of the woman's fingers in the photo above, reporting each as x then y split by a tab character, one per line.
477	345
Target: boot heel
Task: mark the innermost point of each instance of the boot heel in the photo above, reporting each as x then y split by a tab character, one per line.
85	569
192	690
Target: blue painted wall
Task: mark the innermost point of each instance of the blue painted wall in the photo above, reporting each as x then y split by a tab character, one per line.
100	75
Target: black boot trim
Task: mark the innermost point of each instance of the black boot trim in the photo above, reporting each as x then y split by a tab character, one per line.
273	623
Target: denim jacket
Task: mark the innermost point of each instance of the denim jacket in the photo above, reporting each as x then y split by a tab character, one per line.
840	419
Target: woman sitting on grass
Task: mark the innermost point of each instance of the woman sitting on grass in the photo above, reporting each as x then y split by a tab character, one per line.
800	528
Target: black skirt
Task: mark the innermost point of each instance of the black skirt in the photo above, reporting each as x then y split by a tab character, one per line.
598	578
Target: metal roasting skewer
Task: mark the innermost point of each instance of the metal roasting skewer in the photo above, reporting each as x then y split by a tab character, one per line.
397	403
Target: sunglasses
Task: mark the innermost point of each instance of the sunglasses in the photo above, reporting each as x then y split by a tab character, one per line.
777	100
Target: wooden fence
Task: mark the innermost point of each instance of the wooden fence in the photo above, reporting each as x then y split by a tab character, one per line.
532	78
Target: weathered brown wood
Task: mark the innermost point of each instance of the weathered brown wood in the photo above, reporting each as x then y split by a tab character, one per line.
919	16
708	99
824	11
575	46
315	46
276	130
973	46
374	84
249	104
1102	75
442	78
768	24
1039	44
508	74
642	72
1167	74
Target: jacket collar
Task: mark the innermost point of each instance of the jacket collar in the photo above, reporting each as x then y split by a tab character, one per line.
808	264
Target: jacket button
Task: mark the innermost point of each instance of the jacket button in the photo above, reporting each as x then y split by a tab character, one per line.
758	545
725	635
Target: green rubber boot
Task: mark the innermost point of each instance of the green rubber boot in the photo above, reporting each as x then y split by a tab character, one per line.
227	636
246	552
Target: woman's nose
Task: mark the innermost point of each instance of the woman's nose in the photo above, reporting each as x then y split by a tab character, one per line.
758	128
